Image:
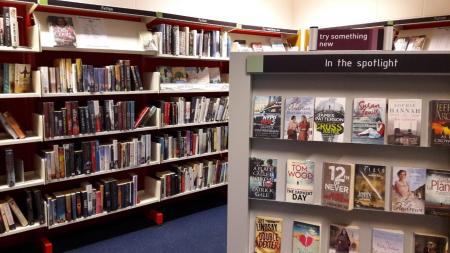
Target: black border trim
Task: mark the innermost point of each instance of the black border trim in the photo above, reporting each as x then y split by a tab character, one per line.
410	21
268	29
198	20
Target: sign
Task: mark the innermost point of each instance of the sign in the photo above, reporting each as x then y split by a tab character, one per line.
347	39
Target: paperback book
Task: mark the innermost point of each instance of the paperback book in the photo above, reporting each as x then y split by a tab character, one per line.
300	181
404	122
338	185
305	238
343	239
268	234
424	243
387	241
369	120
298	118
329	119
440	122
437	192
267	116
62	30
370	181
262	178
408	190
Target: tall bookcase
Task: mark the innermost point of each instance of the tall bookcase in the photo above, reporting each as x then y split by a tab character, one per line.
417	75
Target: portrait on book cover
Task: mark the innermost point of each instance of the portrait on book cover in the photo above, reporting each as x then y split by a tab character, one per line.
62	30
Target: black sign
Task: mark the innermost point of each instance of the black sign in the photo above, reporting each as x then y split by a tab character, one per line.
268	29
198	20
358	63
94	7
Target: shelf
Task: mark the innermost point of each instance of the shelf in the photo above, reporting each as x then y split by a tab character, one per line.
193	87
99	50
17	49
25	140
21	185
194	124
104	133
105	172
187	57
24	229
19	95
191	91
106	93
193	157
194	191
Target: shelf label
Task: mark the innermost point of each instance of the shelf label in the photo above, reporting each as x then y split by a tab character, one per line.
269	29
202	20
347	39
106	8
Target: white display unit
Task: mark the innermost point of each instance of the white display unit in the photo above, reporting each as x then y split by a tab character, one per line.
417	75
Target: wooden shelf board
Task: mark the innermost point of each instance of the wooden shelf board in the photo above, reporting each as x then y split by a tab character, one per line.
21	185
99	50
31	139
19	95
24	229
106	93
194	191
193	157
187	57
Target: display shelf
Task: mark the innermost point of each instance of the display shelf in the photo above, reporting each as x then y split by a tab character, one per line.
20	49
21	185
263	31
194	124
19	230
194	191
98	50
193	156
20	95
106	93
188	57
28	139
192	91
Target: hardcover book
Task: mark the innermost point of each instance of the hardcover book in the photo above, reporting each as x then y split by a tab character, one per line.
338	185
437	192
387	241
368	124
214	75
179	75
262	178
165	74
22	78
408	190
424	243
343	239
267	116
329	119
268	231
404	122
300	181
63	31
298	118
440	122
370	181
305	237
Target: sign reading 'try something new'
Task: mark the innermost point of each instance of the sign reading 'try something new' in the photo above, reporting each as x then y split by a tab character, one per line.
351	39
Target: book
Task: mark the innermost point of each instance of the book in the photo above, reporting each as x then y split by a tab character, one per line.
10	172
14	125
298	118
262	178
404	122
7	127
62	30
408	190
179	75
338	183
22	78
305	237
17	212
300	181
267	116
424	243
268	234
370	181
214	75
165	74
437	192
401	43
416	43
329	119
343	239
369	117
440	122
387	241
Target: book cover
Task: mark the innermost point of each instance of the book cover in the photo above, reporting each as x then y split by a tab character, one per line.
343	239
179	74
437	192
440	122
262	178
368	124
408	190
404	121
268	232
22	81
267	116
300	181
387	241
192	74
424	243
416	43
214	75
329	119
165	74
305	238
370	181
63	31
298	118
337	189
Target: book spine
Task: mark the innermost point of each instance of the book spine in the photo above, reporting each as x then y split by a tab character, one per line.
10	173
7	26
39	206
14	27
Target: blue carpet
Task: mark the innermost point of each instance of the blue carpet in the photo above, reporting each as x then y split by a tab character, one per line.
201	232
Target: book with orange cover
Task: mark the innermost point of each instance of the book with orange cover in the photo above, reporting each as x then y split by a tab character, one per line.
14	125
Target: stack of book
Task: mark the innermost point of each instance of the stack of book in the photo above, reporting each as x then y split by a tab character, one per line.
176	40
68	77
9	28
198	110
15	77
108	195
64	161
14	169
92	118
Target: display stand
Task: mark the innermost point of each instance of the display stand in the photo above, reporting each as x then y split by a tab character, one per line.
419	75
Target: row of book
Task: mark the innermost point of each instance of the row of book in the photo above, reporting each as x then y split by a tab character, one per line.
189	74
307	238
199	110
275	45
12	215
105	195
14	169
72	119
69	160
361	186
185	143
15	78
11	127
9	27
322	119
72	77
192	176
176	40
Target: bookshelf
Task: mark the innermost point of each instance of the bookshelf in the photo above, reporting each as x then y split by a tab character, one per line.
304	74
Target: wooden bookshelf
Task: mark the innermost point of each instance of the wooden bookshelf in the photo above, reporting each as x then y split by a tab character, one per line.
106	93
